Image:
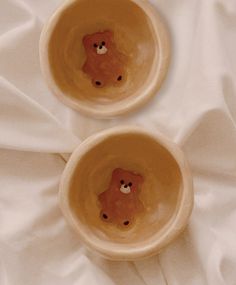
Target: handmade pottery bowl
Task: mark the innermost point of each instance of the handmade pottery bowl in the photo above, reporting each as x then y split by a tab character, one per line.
135	54
97	180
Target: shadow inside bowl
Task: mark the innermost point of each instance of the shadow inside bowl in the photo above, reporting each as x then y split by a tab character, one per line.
160	192
133	36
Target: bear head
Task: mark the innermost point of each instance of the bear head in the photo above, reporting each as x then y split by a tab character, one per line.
126	181
98	43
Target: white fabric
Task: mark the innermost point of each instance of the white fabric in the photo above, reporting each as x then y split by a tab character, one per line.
196	107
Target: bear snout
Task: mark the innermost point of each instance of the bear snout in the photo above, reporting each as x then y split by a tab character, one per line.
101	50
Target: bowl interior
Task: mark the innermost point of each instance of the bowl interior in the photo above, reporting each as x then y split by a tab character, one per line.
160	192
133	35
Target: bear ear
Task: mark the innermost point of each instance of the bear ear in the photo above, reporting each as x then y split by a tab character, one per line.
86	40
116	171
140	179
109	33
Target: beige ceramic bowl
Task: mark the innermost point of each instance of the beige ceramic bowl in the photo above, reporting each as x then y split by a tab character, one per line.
166	193
138	33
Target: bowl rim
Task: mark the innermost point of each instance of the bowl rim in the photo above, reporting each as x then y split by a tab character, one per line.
123	106
177	225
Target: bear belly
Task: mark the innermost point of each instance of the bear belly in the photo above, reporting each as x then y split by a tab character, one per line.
119	209
105	70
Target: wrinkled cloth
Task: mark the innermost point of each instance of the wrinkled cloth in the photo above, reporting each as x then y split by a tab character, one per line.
196	108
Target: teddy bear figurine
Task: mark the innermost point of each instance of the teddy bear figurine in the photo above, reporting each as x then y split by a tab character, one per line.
120	202
105	65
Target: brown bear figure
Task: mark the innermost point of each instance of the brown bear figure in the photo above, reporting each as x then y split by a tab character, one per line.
104	64
120	202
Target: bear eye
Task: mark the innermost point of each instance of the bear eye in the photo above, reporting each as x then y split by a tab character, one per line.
103	43
105	216
95	45
130	184
122	182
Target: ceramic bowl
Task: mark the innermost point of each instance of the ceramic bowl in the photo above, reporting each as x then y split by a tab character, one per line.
139	34
166	192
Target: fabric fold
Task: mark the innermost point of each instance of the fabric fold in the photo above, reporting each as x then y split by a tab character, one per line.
26	126
195	108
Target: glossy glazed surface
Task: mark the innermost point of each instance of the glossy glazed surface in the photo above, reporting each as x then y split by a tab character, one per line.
139	35
132	35
166	192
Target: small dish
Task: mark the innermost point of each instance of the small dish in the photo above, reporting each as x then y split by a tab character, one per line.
138	58
134	158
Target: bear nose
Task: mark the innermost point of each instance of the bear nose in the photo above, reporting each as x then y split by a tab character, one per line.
126	186
100	47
